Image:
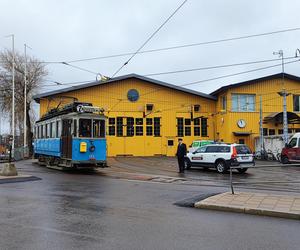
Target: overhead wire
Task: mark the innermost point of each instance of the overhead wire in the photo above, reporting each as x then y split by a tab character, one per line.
149	38
183	71
186	45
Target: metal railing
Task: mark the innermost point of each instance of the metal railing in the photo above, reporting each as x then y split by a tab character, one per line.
256	166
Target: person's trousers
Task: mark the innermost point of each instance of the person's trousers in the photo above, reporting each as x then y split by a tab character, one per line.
181	164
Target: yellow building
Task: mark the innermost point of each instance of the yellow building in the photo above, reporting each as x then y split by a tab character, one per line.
238	108
146	116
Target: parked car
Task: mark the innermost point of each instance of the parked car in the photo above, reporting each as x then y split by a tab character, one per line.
221	157
291	151
199	143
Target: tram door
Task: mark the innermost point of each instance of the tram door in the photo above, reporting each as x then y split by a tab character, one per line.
66	138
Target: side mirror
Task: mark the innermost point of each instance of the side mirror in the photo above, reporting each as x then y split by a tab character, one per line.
286	145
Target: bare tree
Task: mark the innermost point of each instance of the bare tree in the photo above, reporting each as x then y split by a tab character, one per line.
35	73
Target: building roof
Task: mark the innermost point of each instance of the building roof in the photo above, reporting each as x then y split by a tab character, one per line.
269	77
119	78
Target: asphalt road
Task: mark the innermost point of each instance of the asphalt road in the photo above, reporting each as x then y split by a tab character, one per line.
88	211
272	178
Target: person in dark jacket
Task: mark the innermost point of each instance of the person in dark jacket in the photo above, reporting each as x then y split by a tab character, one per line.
181	153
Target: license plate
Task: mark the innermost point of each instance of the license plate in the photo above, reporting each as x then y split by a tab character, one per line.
245	157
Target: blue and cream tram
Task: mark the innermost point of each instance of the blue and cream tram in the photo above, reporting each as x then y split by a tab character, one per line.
73	136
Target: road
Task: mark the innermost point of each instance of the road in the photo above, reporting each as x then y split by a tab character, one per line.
89	211
280	179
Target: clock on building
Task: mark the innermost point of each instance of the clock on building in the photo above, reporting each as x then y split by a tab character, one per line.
241	123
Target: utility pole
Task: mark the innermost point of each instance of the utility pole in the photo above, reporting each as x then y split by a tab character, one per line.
261	131
13	94
284	94
25	99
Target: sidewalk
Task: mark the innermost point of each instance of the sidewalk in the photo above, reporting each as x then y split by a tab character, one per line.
284	206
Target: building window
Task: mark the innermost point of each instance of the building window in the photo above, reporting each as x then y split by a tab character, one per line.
149	107
180	127
197	108
156	126
204	132
224	102
170	142
149	127
297	130
130	126
280	131
265	131
197	127
243	103
187	127
149	130
271	131
119	126
296	99
290	131
139	126
111	126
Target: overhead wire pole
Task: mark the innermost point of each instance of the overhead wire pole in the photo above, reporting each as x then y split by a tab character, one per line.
261	131
153	34
13	93
25	98
284	94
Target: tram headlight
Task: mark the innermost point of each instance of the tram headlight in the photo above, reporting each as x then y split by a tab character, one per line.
92	148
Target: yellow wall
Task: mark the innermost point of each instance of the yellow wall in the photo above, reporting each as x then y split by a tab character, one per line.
271	102
168	104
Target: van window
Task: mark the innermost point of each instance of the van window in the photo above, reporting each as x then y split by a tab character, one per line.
292	143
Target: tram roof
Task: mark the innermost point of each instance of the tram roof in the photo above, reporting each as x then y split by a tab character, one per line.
38	97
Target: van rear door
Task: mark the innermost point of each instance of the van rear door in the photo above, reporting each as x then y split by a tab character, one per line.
292	149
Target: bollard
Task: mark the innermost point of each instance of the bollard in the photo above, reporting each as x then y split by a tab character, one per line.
231	185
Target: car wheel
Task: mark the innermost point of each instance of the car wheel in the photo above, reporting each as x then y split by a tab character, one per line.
221	167
242	170
284	160
187	163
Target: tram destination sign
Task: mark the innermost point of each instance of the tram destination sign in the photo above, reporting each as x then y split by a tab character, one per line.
89	109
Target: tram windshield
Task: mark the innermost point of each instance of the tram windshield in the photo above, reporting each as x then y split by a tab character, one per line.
85	128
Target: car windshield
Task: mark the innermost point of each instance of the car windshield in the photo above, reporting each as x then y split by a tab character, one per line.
242	149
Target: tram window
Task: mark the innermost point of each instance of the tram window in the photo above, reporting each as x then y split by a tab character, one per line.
48	129
58	129
85	128
53	130
98	128
74	128
42	131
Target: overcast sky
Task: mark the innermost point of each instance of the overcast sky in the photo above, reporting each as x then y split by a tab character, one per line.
64	30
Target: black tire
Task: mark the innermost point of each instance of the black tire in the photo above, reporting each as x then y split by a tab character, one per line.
284	159
187	163
242	170
221	166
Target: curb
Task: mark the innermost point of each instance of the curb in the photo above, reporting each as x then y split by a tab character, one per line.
253	211
19	179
